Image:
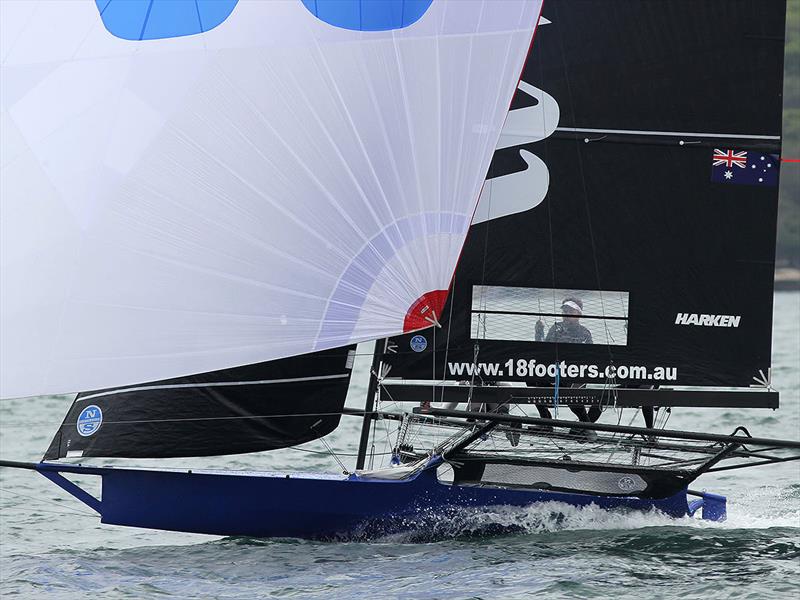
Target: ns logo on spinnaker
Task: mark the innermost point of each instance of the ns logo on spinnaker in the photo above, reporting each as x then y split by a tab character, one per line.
90	420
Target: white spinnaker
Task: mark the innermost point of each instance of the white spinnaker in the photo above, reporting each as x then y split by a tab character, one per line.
268	188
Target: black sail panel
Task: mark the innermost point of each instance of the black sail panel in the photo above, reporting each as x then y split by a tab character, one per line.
666	65
257	407
659	218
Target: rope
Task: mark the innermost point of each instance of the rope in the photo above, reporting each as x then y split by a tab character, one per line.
447	335
555	396
586	202
348	454
45	501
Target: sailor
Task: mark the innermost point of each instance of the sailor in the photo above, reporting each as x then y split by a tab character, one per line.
568	331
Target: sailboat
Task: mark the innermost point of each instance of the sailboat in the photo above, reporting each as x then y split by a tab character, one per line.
205	210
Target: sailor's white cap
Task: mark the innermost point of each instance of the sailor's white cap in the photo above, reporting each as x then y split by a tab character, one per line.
573	305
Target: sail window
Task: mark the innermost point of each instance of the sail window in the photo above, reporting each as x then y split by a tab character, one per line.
364	15
549	315
159	19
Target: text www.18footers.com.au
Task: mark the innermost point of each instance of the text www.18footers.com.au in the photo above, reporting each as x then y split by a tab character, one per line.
522	367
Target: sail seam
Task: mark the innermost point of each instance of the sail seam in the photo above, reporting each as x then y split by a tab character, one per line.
173	386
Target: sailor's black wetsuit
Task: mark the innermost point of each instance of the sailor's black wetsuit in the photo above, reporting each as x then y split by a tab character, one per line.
565	332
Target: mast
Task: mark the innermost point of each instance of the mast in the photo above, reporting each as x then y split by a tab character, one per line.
369	404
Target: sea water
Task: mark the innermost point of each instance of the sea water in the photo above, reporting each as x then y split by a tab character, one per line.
53	546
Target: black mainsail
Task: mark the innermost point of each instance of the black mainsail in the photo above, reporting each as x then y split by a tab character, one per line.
659	214
276	404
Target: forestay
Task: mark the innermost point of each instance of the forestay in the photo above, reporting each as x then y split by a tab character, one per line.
272	186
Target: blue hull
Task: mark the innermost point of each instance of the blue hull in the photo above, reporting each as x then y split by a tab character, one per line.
304	505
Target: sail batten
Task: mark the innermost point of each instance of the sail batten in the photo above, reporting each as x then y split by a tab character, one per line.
160	187
690	134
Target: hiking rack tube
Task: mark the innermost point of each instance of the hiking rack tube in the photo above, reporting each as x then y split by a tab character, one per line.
619	397
669	433
649	446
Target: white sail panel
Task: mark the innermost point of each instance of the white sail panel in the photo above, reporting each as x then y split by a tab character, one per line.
273	186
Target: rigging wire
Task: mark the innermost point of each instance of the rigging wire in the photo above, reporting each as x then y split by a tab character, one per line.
545	149
387	436
447	334
396	403
28	511
372	441
334	455
50	501
433	368
326	453
586	198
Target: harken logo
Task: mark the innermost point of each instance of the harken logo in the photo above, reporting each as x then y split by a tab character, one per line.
703	320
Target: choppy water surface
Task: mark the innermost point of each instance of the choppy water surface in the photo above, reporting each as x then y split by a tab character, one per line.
52	546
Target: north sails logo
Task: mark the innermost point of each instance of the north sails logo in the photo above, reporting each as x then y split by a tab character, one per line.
707	320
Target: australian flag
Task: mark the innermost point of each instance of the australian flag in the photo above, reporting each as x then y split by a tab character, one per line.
744	167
